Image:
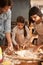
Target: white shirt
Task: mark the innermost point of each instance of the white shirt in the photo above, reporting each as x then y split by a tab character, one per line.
19	35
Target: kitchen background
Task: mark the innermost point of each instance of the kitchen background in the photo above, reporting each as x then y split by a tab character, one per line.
21	8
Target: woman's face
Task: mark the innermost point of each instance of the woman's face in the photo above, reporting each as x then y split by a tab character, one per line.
36	18
20	25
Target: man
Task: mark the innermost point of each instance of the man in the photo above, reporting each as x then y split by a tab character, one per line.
5	22
35	17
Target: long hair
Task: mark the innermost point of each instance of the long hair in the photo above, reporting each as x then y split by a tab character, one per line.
34	10
22	20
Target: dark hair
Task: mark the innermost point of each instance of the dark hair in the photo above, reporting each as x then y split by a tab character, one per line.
34	10
22	20
4	3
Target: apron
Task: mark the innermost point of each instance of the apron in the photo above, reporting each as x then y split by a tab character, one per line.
21	40
39	29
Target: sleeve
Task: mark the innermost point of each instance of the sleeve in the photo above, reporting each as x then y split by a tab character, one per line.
28	33
13	36
7	24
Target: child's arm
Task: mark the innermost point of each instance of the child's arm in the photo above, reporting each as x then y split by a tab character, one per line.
13	39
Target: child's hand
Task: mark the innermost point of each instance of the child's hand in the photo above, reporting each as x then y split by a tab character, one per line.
24	46
17	47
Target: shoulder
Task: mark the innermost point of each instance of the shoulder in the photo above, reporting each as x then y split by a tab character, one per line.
8	13
26	27
15	28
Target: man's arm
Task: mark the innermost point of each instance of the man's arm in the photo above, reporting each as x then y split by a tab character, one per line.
8	37
8	28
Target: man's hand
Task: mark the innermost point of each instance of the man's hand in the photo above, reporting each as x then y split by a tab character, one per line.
10	47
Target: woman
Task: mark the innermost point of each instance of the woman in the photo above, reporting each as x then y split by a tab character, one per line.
35	17
20	34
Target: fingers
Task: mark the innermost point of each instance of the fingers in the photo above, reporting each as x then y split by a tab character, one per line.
17	47
25	46
10	47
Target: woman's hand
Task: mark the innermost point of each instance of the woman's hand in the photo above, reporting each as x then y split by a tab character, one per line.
24	46
40	48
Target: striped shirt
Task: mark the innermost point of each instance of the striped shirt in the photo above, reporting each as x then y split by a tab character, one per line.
5	23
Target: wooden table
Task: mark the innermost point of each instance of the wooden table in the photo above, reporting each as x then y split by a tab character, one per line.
25	62
31	63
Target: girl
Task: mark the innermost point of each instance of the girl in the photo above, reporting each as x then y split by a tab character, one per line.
20	34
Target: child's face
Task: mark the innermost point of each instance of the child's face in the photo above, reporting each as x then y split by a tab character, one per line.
20	25
36	18
5	9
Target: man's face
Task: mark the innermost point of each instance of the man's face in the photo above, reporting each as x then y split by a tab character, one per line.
5	9
36	18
